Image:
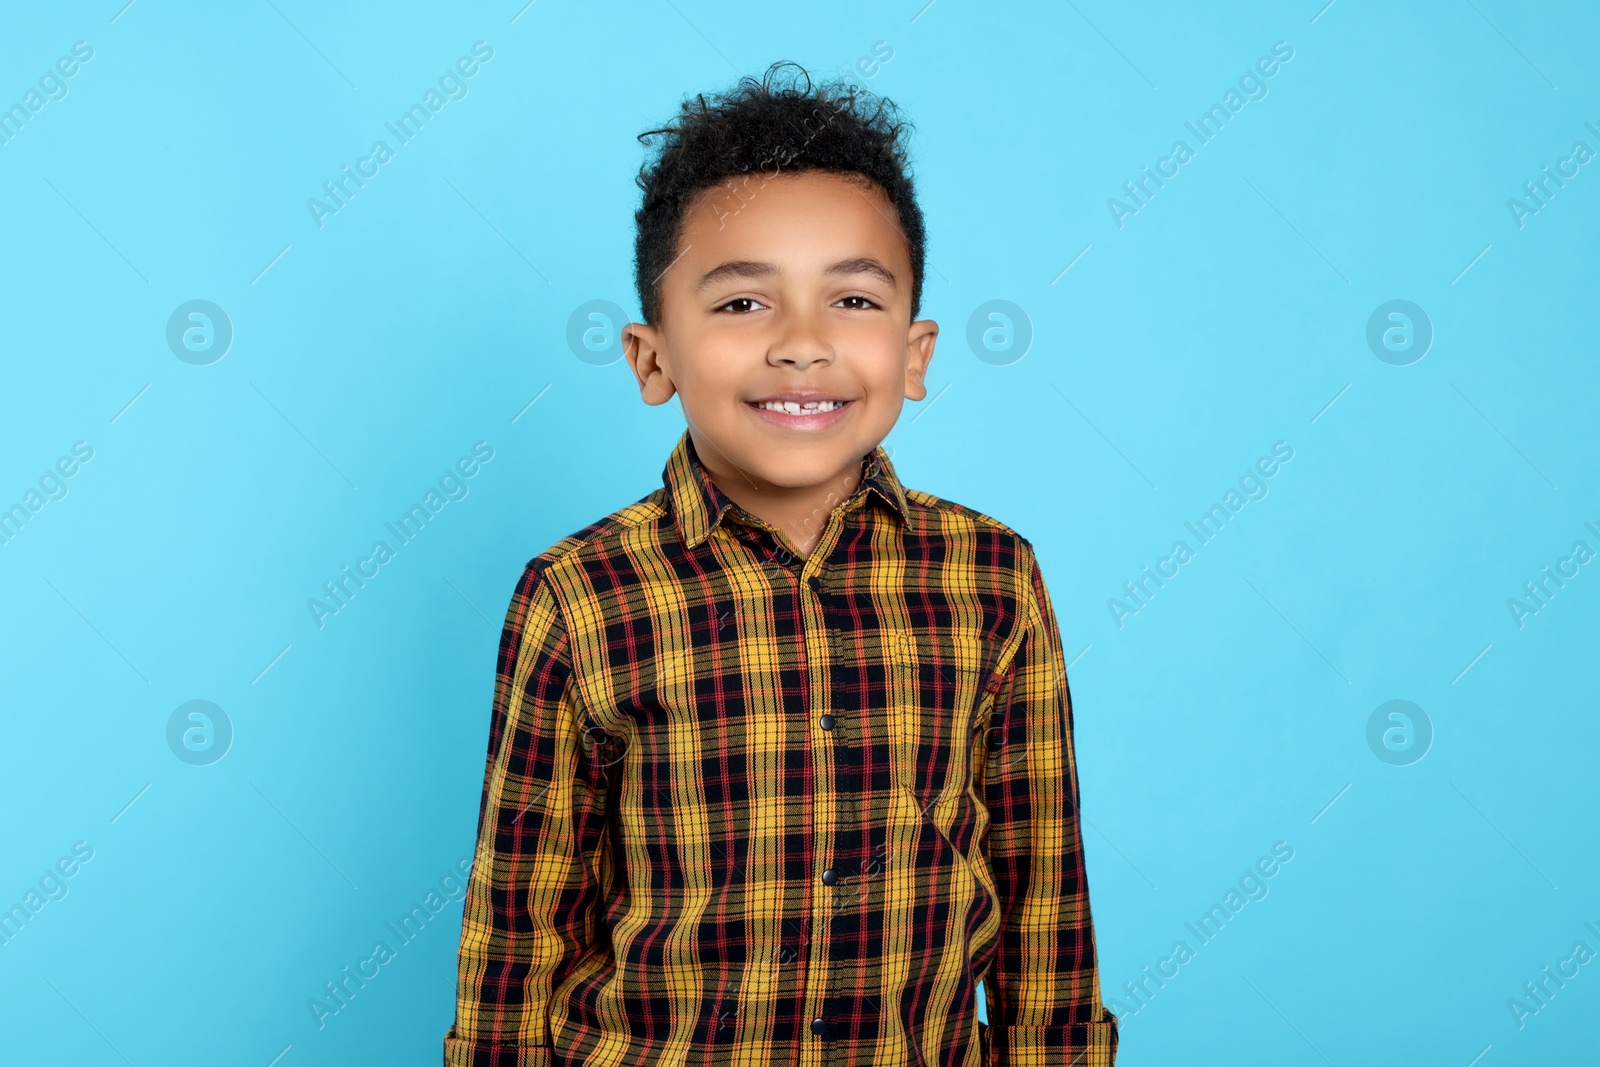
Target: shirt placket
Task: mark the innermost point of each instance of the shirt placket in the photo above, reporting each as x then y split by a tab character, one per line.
836	816
831	713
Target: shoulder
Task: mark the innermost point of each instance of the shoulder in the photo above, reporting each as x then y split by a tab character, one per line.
625	524
991	556
617	532
540	599
536	621
1003	559
936	517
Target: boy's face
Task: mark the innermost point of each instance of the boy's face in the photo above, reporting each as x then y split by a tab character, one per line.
798	288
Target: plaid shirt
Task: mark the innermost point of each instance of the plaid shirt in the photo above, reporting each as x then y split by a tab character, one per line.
747	807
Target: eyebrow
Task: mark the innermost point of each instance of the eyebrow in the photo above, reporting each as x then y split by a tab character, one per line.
745	268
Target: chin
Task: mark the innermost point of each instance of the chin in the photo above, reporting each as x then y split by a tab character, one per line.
803	465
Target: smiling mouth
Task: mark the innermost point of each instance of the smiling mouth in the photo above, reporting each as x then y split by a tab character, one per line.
793	407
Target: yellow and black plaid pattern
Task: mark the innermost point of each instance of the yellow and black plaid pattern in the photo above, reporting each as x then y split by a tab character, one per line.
744	807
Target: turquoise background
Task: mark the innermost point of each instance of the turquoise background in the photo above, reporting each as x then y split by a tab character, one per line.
1230	312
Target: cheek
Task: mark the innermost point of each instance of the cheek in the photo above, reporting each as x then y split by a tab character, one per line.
714	372
879	354
720	361
877	343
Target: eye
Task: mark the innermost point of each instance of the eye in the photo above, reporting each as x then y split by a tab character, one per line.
751	303
863	301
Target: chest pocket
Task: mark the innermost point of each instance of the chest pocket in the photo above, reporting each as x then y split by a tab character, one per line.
935	696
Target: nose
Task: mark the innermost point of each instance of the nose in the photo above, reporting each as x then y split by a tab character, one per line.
800	341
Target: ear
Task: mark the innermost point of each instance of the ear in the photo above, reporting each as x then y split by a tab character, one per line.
645	348
919	351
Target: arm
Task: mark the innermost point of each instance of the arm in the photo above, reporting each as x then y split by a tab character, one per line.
1043	988
540	854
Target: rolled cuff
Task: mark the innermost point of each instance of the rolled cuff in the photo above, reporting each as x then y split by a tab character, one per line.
1092	1044
462	1053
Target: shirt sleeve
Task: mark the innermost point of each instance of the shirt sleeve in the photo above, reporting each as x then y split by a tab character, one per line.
530	910
1043	987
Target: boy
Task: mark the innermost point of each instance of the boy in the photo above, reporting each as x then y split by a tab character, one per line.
780	763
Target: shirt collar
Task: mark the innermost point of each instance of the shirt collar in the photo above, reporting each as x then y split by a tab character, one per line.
698	504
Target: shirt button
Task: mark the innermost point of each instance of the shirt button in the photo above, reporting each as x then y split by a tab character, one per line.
819	1027
815	583
826	722
828	877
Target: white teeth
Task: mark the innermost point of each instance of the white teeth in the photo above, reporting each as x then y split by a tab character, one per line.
810	407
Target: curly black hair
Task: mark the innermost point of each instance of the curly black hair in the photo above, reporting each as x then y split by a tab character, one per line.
776	125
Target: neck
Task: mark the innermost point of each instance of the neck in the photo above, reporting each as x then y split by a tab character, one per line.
799	513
